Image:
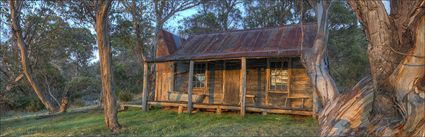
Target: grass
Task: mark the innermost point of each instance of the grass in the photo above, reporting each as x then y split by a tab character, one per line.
160	123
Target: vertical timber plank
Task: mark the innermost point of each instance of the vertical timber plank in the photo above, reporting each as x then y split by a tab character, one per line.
172	66
145	87
243	86
224	82
287	100
289	76
267	82
190	88
206	79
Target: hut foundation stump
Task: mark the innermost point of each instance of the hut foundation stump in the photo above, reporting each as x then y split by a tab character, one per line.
218	111
180	109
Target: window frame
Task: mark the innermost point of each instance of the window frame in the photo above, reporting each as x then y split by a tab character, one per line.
199	69
284	67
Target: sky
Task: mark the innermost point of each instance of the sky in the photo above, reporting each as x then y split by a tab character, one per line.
173	24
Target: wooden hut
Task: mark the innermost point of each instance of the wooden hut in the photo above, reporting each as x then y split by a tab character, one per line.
256	70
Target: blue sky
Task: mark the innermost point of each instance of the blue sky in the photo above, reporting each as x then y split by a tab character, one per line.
173	24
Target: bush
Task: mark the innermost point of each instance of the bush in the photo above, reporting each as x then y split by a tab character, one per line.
33	106
78	102
125	95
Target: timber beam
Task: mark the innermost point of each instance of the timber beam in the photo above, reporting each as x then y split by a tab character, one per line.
243	86
145	87
190	87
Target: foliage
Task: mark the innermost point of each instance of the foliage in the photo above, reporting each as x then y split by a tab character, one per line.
20	100
125	95
33	106
57	53
127	69
83	88
213	16
272	13
161	123
200	23
347	47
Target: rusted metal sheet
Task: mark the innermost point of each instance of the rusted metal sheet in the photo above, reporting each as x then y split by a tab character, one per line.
168	43
284	41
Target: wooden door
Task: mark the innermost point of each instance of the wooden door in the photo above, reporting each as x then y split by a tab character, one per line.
232	76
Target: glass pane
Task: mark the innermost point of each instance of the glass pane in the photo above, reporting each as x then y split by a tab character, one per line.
279	75
199	75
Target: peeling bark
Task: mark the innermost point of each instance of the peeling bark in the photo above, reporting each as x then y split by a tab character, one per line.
406	81
348	114
64	105
391	102
102	34
314	60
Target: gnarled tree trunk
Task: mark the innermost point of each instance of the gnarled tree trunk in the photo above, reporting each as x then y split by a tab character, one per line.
315	58
391	102
109	97
46	99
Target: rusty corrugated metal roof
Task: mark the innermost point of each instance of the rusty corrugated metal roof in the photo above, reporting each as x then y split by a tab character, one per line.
280	41
168	43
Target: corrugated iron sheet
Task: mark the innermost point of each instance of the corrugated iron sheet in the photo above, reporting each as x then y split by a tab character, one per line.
281	41
168	43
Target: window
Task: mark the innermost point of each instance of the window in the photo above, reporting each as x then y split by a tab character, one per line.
279	75
199	75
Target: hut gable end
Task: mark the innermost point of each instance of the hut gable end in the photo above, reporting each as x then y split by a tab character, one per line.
167	43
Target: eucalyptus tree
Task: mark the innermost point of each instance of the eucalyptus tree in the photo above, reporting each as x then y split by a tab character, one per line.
97	13
56	51
214	16
347	47
143	30
101	9
270	13
21	41
163	10
389	102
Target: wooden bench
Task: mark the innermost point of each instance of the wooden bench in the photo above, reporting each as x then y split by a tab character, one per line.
181	96
252	97
303	98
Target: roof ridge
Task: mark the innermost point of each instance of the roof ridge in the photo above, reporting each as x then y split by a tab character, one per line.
242	30
281	41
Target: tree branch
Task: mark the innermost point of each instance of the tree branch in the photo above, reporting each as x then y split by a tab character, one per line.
379	30
315	60
412	68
